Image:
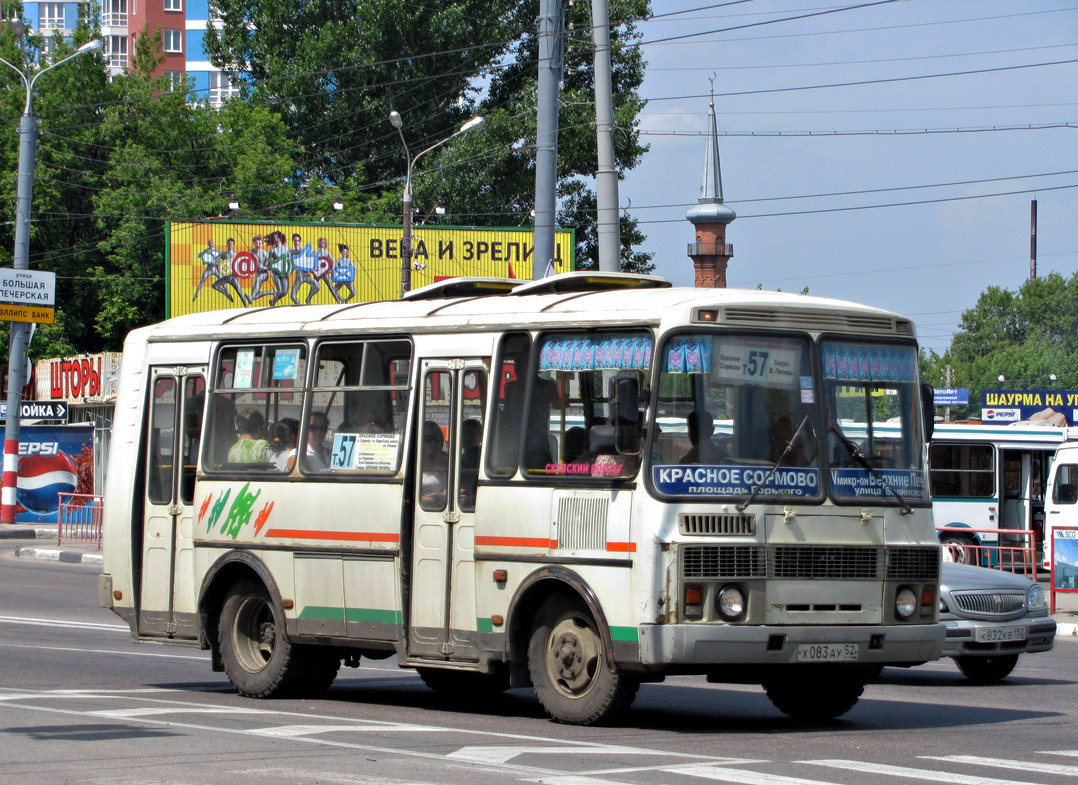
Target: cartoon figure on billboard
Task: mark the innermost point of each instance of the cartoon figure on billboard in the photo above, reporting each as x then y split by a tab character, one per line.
208	256
306	264
344	275
280	266
228	275
262	258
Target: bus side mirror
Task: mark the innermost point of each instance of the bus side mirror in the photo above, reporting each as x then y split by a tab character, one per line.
626	401
928	409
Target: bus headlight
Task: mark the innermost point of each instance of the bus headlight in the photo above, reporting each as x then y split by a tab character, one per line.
905	603
730	603
1035	600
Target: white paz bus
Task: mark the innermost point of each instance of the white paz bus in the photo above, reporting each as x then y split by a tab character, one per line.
477	480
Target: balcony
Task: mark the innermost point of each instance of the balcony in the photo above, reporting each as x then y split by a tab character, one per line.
710	249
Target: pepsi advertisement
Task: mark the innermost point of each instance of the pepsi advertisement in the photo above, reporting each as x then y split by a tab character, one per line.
53	459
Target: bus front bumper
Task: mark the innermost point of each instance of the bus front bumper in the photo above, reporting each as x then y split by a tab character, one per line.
712	644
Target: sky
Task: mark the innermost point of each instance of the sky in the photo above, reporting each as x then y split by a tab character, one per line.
959	99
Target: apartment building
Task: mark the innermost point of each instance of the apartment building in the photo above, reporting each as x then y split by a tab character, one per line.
182	24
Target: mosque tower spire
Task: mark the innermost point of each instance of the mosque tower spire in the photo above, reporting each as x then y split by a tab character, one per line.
710	253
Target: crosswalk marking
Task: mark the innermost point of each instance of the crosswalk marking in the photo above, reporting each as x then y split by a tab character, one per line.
502	754
153	711
743	776
292	731
912	774
1067	753
1003	763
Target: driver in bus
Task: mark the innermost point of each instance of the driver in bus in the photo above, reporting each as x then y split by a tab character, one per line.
701	426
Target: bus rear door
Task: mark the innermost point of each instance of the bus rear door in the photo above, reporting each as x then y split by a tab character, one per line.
442	621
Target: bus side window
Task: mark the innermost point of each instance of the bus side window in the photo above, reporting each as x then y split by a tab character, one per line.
1066	486
508	393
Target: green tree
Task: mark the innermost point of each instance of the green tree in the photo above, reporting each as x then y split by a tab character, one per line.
334	71
1025	336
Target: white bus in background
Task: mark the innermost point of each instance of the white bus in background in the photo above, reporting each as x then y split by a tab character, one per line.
500	505
991	477
1061	509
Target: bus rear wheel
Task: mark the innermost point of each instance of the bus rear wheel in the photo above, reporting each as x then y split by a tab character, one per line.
815	694
960	547
259	661
569	668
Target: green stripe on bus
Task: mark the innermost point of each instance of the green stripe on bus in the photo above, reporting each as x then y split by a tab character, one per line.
350	614
484	625
623	634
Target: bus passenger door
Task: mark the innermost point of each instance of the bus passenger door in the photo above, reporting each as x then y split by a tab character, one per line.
166	600
442	607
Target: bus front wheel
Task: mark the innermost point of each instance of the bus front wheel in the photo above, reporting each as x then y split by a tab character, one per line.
259	660
818	693
569	668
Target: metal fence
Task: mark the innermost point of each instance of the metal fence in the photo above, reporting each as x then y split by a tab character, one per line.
1014	550
78	519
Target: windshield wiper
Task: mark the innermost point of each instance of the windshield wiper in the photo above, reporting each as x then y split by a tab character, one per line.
789	446
859	456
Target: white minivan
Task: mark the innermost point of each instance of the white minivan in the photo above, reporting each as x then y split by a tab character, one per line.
1061	510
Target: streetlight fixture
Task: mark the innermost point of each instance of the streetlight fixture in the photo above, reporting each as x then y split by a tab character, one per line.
23	203
406	240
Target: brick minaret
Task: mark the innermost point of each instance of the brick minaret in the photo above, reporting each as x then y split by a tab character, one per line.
710	253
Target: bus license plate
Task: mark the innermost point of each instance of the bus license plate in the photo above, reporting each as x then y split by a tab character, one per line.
999	634
827	652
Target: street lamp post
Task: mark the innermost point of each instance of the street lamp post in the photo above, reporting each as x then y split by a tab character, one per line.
406	239
23	202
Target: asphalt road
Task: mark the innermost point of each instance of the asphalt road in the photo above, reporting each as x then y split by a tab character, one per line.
80	703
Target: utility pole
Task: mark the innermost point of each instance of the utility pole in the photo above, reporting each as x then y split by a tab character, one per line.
1033	239
947	384
606	175
546	136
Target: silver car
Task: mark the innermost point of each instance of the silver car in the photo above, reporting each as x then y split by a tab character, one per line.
991	617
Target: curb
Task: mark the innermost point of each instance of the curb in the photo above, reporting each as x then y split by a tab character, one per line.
27	533
1066	630
55	554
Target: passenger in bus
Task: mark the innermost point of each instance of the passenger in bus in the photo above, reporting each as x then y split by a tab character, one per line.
433	467
285	436
471	437
782	433
251	446
316	457
701	426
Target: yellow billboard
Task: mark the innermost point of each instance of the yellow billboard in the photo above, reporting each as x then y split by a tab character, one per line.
232	264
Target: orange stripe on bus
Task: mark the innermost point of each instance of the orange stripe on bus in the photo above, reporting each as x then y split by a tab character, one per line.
304	534
517	542
621	547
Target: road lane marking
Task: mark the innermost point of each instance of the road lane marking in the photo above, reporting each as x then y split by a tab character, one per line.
1068	753
200	658
295	731
913	774
82	625
1004	763
325	776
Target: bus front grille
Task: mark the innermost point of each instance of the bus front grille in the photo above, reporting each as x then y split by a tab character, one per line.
723	561
913	564
826	561
808	562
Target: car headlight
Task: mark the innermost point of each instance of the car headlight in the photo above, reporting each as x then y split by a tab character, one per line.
905	603
1035	599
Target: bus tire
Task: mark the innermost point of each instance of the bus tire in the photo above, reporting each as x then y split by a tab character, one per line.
985	670
815	694
464	684
961	547
319	670
568	666
259	661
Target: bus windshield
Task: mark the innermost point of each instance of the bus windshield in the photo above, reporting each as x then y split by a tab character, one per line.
739	416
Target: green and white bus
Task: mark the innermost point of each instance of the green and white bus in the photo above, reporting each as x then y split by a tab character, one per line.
477	480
